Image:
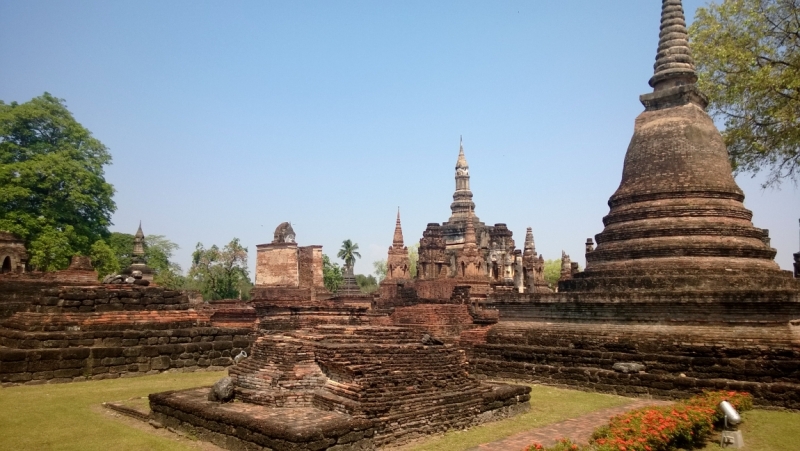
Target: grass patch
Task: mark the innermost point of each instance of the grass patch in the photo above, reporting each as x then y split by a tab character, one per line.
765	430
548	405
59	416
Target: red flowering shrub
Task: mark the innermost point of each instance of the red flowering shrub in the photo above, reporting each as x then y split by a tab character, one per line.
684	424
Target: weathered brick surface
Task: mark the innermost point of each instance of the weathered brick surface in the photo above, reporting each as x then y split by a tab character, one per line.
679	360
250	426
383	378
232	313
19	291
287	315
444	321
277	265
70	356
698	307
105	331
678	211
309	262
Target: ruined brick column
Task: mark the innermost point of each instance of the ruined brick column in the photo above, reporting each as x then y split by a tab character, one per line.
678	212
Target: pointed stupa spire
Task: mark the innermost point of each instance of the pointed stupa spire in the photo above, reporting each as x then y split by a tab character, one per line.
397	240
530	246
462	160
674	64
138	242
462	198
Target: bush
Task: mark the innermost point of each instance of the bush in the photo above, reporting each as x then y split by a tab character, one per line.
686	424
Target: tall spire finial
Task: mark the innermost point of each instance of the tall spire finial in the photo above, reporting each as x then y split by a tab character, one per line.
674	64
462	160
462	198
397	240
530	246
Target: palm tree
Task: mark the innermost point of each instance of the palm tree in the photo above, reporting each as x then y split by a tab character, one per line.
348	253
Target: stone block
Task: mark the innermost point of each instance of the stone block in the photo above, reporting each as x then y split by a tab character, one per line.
160	363
12	355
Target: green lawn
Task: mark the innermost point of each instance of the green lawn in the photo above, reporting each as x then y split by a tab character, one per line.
548	405
767	430
65	416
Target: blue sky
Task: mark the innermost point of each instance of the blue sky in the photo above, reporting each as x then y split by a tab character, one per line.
225	119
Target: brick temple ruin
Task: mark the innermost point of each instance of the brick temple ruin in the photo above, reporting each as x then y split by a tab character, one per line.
463	251
680	294
70	327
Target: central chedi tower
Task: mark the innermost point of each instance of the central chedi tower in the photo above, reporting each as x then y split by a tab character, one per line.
677	220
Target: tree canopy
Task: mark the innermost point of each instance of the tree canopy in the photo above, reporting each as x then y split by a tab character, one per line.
53	193
552	272
221	273
413	257
747	54
367	284
349	253
332	276
380	269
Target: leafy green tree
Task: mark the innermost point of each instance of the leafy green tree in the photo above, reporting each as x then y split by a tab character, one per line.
158	251
122	246
221	273
331	274
348	253
52	249
747	54
367	284
53	192
103	259
552	271
413	257
380	269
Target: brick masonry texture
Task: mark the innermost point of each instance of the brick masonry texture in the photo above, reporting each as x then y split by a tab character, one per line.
19	291
100	332
276	265
383	377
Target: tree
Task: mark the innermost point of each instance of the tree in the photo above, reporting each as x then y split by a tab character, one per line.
52	249
221	273
52	187
552	272
158	251
331	274
367	284
104	260
380	269
413	257
348	253
748	62
122	246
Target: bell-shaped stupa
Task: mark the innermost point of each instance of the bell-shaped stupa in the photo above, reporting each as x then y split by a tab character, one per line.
677	220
